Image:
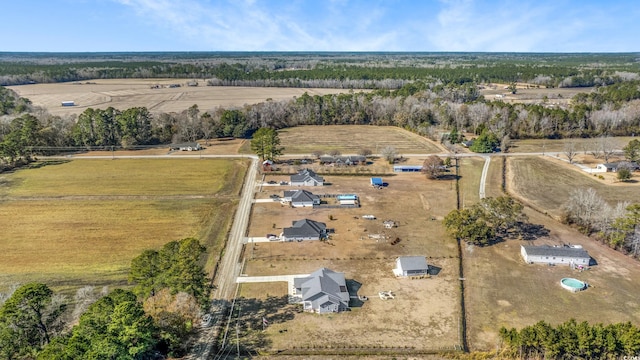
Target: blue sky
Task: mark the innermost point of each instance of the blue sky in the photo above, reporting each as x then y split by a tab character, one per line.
321	25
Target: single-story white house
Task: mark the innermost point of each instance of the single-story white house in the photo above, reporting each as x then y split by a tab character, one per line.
613	167
411	266
190	146
562	255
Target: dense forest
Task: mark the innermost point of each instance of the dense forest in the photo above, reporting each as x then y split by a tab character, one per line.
341	70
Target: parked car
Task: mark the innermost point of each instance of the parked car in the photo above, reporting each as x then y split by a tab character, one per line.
272	237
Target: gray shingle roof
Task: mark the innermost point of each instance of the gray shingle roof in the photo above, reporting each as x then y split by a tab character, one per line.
562	251
305	228
306	175
324	287
409	263
299	196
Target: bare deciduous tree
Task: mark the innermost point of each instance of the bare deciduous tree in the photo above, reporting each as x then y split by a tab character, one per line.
607	147
389	153
433	167
570	151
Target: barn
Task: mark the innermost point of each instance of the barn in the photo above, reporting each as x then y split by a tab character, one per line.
573	255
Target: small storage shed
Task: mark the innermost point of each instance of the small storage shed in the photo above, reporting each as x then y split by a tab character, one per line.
376	181
411	266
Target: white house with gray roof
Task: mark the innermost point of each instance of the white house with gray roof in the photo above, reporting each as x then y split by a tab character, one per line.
562	255
411	266
305	229
306	177
301	198
324	291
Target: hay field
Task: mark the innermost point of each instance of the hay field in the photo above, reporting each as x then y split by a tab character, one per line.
81	222
126	93
423	309
349	139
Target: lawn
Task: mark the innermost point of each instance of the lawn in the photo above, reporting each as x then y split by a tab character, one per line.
81	222
349	139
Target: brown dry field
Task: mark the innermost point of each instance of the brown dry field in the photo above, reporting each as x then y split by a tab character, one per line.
501	290
545	183
558	145
423	309
127	93
349	139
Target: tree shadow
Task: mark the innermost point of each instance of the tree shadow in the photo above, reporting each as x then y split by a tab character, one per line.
251	316
41	164
530	232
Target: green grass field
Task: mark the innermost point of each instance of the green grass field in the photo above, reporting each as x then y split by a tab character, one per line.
349	139
82	222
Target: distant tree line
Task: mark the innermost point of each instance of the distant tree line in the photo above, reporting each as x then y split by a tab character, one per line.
341	70
153	321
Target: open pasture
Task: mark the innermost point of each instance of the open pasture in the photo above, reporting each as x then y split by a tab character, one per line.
559	145
546	184
423	309
82	222
350	139
127	93
502	290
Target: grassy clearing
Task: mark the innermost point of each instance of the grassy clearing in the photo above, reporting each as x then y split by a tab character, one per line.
69	242
470	173
547	145
546	184
349	139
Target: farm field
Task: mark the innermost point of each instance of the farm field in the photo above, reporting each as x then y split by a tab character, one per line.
529	94
424	308
349	139
546	184
81	222
127	93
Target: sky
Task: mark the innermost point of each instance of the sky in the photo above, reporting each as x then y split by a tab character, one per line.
320	25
